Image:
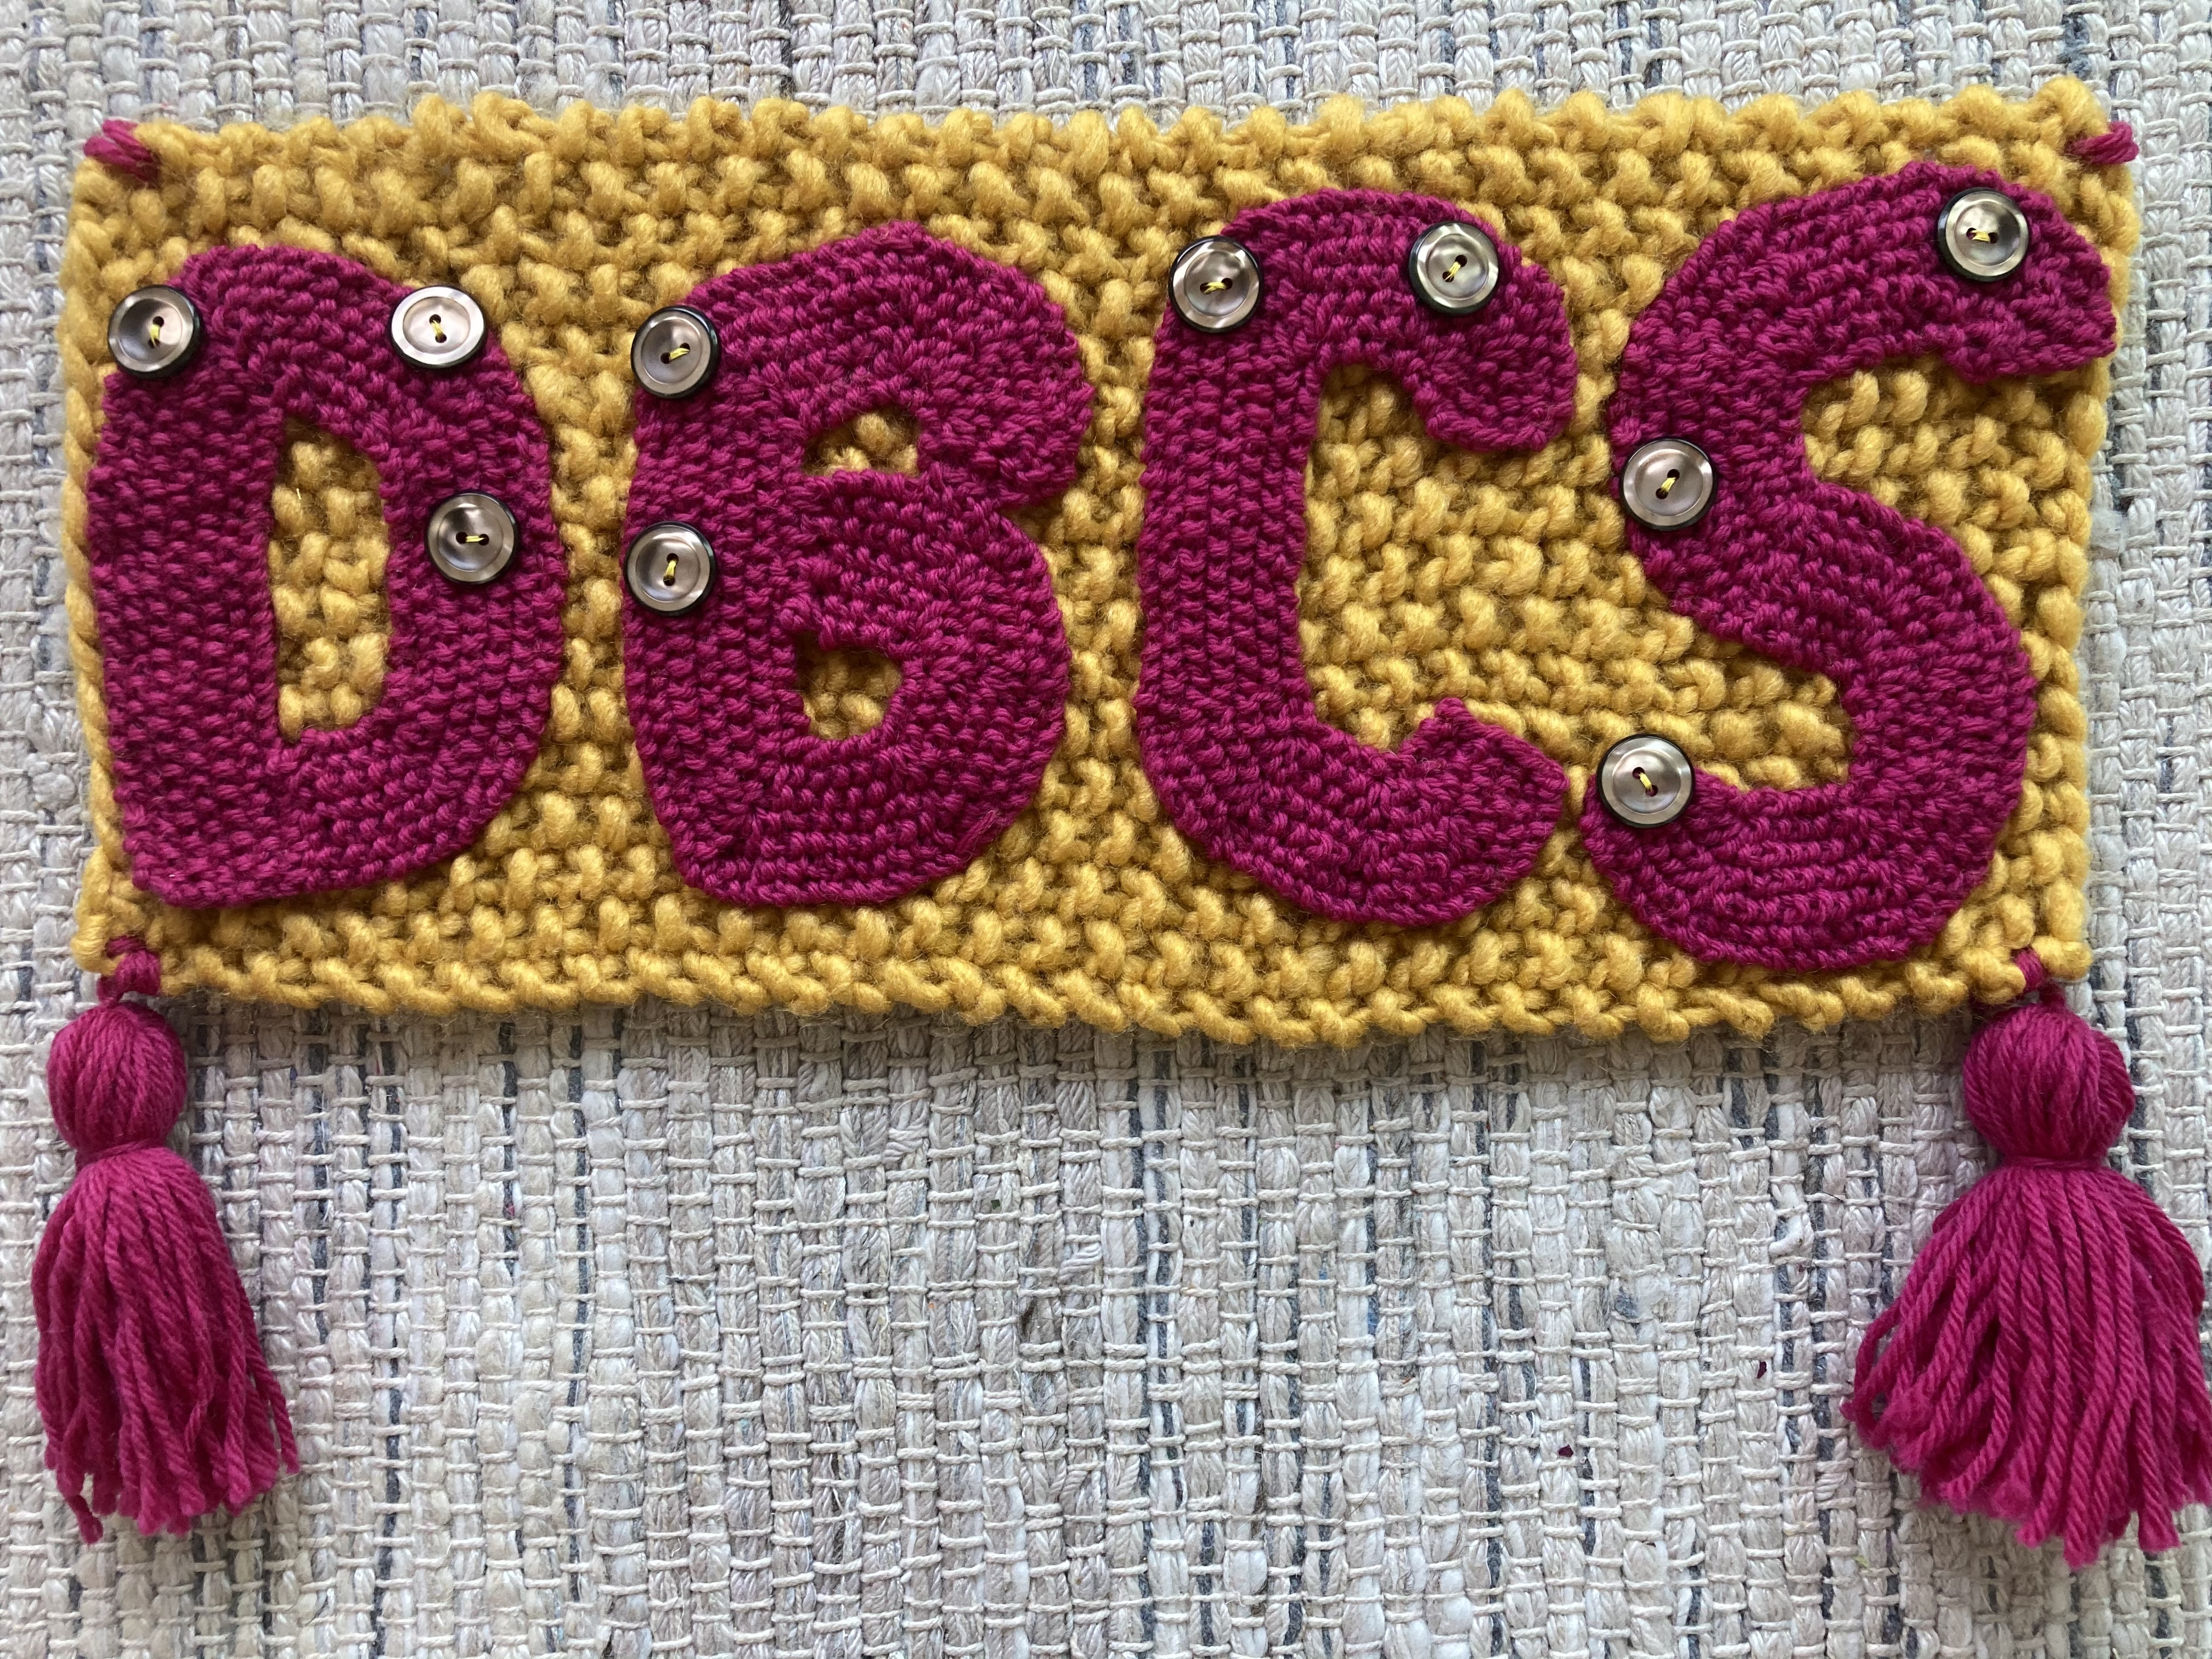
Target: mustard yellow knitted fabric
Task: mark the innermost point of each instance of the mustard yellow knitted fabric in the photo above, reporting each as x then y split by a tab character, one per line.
1503	581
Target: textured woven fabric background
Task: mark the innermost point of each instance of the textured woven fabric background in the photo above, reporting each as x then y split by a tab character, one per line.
675	1332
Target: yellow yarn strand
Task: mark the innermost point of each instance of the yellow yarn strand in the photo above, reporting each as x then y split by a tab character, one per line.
1503	580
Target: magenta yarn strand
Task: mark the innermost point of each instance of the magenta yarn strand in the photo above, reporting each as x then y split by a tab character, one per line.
1965	1366
2080	1422
1957	1331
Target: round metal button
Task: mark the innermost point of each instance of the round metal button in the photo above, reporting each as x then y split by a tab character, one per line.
1982	235
1453	268
669	568
1667	483
438	327
675	353
153	333
471	536
1646	781
1214	285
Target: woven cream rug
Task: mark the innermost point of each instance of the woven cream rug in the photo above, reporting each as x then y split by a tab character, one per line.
676	1333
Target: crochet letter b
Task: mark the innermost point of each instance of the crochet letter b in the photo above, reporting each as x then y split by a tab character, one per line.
925	568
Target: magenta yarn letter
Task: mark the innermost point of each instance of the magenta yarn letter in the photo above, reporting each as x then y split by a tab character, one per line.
217	807
1225	718
1831	581
926	569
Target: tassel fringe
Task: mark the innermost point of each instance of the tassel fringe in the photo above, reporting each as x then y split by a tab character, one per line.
150	1376
2042	1363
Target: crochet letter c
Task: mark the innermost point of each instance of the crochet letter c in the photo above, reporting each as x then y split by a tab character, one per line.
1225	720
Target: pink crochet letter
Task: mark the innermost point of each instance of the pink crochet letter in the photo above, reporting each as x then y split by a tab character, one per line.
1226	718
217	807
1830	581
925	570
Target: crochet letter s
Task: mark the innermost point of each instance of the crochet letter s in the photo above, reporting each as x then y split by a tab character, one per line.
217	807
925	568
1225	720
1830	581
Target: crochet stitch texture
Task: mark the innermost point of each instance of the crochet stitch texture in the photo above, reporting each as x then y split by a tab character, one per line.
1503	581
226	804
923	567
1441	824
1828	580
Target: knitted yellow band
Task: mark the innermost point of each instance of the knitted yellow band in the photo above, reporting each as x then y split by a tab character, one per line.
1504	580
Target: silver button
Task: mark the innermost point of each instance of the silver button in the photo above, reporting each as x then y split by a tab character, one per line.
1646	781
1453	268
471	536
1214	285
153	333
1982	235
1667	483
669	568
675	352
437	327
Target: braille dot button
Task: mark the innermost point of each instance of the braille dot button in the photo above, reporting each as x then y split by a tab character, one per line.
1667	483
1646	781
438	327
675	353
471	536
1214	285
1454	269
1982	235
153	333
669	568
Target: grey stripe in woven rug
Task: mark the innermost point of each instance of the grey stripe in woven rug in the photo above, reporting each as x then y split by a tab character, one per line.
675	1332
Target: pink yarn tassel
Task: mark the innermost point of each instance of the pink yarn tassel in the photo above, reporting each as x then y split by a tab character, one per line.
150	1376
2042	1363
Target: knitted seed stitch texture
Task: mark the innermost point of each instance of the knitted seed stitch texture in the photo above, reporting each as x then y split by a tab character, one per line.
1503	580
